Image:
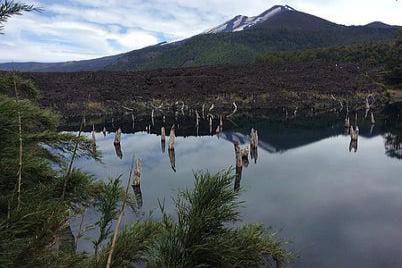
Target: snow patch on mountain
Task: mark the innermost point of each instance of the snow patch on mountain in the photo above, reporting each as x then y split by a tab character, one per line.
240	22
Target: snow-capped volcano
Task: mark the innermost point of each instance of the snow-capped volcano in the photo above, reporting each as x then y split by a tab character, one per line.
240	22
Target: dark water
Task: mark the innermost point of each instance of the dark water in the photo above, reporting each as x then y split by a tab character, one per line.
340	208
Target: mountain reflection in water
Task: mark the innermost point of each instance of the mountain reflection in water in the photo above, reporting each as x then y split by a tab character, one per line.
340	208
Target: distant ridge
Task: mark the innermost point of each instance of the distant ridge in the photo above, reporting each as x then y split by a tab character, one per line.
237	41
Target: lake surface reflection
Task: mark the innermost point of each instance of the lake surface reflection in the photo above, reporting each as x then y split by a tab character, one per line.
340	208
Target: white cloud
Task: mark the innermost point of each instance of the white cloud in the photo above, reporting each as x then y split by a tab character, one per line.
83	29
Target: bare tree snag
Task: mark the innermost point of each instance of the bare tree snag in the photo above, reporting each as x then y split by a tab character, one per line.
117	137
234	110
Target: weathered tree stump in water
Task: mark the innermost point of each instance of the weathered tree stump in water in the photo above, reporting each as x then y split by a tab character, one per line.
354	133
117	137
137	174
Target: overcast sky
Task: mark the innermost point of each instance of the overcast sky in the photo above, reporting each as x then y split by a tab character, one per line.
84	29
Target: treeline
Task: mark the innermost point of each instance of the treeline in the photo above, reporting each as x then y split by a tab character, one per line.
243	47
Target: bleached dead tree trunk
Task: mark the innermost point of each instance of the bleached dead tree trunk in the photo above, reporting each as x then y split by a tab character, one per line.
137	174
117	137
116	143
234	110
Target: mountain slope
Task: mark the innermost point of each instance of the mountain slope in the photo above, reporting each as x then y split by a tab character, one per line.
238	41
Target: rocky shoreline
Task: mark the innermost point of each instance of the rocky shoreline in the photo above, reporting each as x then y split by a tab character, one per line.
312	87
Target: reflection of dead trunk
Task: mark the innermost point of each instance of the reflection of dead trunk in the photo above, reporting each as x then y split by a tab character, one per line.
371	129
254	154
239	165
163	139
353	145
104	131
254	144
253	138
172	137
197	118
210	125
117	137
172	159
347	123
117	148
138	197
237	178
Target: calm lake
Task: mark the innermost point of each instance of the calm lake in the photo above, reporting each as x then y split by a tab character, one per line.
340	206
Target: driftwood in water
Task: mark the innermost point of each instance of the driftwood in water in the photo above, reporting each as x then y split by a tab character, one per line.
117	137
